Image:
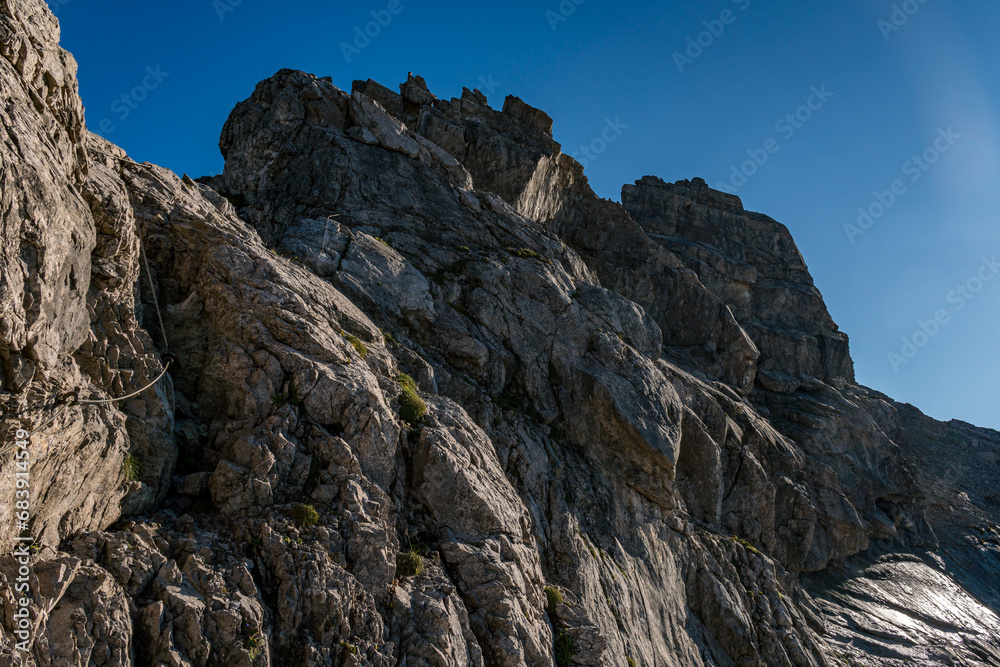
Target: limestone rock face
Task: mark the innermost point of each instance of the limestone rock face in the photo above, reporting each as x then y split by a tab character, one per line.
47	234
433	402
750	262
68	321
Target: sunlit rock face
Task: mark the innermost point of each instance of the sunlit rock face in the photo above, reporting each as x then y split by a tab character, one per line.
436	403
904	608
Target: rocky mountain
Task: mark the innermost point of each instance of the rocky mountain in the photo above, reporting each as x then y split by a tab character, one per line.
397	388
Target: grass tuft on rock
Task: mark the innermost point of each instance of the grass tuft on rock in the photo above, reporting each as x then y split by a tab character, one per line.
554	598
746	545
409	564
527	253
411	407
358	345
133	471
564	650
305	515
524	253
255	645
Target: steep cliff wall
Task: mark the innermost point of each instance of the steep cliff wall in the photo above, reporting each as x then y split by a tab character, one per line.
434	402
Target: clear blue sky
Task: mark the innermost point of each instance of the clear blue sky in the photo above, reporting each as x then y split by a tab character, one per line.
893	91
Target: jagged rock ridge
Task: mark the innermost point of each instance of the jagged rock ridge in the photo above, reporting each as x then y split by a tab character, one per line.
638	439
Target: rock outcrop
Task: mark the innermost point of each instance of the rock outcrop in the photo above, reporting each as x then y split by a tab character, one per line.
430	401
69	319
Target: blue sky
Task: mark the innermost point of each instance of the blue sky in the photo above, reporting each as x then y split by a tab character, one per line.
898	89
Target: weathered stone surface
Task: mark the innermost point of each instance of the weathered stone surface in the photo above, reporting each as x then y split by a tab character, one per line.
430	624
81	615
751	263
47	234
119	353
899	609
67	320
626	434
